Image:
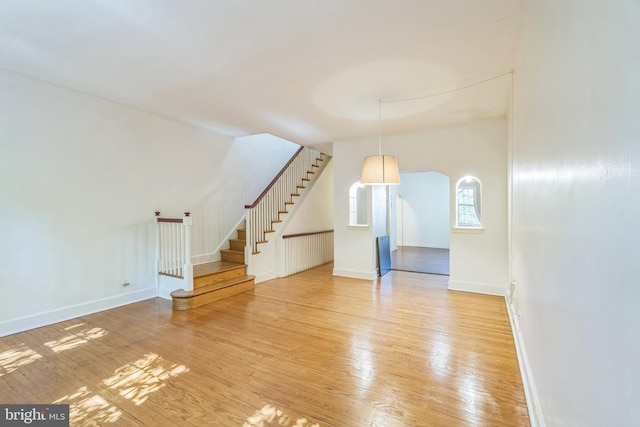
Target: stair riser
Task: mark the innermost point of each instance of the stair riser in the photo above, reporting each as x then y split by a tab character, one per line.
203	281
232	257
237	245
242	235
181	304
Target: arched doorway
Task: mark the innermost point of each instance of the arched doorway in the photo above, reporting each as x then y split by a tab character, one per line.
420	223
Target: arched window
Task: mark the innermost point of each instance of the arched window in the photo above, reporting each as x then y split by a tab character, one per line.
358	204
468	202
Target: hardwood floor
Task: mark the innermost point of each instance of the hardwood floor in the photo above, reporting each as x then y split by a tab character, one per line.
421	260
310	349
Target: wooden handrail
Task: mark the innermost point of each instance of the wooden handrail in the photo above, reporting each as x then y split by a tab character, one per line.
170	220
288	236
266	190
158	219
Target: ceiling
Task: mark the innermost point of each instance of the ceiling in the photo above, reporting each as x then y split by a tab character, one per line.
311	71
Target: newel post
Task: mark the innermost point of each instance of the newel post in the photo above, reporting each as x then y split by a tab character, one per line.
248	225
188	266
158	261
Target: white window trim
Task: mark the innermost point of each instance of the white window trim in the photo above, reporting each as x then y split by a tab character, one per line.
466	228
350	225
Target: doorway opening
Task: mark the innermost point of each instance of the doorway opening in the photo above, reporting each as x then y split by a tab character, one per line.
420	223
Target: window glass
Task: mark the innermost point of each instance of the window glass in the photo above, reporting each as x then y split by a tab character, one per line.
358	204
468	202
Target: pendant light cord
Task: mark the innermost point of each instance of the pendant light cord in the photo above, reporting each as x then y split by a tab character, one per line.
379	127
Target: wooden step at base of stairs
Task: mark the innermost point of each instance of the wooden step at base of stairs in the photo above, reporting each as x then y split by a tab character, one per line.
186	300
212	272
232	255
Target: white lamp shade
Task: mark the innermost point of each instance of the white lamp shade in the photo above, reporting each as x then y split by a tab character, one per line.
380	170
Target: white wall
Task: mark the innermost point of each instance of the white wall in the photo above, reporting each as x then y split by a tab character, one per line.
80	178
311	211
315	211
425	220
353	246
576	172
478	261
247	168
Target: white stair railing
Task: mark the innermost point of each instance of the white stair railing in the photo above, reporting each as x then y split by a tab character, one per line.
173	248
273	202
307	250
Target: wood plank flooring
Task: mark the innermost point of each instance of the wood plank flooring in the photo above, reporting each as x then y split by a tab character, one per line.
421	260
310	349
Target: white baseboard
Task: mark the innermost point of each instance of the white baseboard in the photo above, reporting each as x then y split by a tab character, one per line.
165	293
50	317
263	277
355	274
168	284
205	258
479	288
536	418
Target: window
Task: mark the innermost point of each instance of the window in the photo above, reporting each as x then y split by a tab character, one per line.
358	204
468	199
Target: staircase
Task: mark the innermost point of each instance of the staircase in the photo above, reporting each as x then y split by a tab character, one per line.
209	282
235	253
276	199
217	280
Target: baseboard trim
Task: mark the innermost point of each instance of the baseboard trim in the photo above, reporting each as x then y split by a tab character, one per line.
168	284
355	274
205	258
479	288
536	418
26	323
165	293
263	277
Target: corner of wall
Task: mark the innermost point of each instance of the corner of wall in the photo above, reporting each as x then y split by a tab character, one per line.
356	274
534	408
479	288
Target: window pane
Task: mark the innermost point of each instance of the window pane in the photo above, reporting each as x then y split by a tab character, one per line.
468	202
357	204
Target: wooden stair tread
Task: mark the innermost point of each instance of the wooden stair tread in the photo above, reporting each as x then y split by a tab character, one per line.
201	270
180	293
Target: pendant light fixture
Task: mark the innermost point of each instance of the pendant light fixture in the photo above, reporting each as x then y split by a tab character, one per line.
380	169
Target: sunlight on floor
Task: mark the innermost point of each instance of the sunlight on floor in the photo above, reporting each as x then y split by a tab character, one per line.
11	360
272	416
363	364
136	380
75	338
439	350
87	406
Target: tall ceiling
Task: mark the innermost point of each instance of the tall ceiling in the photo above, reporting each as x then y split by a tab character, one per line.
311	71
